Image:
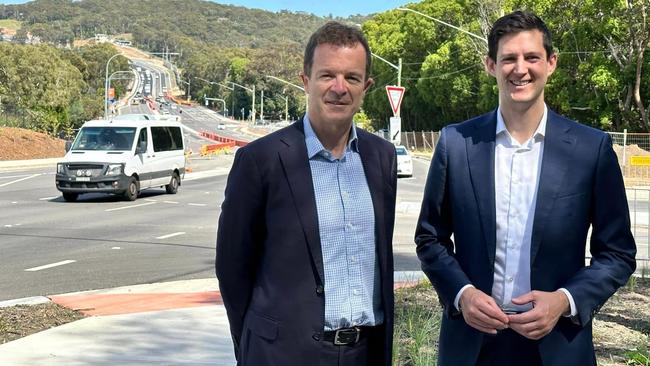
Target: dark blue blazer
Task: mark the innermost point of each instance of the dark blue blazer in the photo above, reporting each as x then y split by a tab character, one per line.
580	185
269	260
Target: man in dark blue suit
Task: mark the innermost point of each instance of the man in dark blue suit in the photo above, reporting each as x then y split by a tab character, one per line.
519	188
304	253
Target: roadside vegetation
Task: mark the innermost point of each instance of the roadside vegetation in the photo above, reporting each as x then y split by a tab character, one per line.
621	328
601	80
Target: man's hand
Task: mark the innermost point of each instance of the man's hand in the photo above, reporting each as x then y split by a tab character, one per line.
547	309
481	311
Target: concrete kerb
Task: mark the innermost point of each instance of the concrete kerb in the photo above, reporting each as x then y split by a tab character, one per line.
7	165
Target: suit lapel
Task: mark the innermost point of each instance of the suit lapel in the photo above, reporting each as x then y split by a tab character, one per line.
480	156
558	147
372	167
295	163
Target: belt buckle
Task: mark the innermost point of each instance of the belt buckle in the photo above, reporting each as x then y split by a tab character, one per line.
337	340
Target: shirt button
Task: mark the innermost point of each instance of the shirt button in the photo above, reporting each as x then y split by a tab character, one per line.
320	290
348	227
316	336
510	279
353	259
355	292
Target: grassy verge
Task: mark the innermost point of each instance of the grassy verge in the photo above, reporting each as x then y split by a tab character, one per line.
621	328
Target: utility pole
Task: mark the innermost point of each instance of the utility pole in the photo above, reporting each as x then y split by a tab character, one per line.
261	107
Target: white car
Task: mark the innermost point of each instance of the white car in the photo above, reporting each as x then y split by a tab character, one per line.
404	161
221	126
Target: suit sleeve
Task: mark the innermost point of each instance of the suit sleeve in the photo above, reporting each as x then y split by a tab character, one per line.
435	248
239	239
612	245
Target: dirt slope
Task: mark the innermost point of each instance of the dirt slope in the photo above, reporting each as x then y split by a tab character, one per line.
22	144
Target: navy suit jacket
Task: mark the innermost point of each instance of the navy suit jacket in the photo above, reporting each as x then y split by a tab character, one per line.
580	185
269	260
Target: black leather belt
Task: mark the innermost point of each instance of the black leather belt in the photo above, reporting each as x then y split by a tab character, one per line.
347	336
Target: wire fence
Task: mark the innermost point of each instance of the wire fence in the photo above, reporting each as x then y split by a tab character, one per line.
633	151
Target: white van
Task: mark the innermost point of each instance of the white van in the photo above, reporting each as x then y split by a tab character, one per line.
123	156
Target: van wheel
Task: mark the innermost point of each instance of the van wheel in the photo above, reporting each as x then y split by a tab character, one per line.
70	197
132	189
172	187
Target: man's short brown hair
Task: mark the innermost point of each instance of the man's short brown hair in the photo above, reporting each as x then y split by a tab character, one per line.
336	34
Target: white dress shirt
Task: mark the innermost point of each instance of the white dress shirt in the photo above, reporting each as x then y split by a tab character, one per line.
517	169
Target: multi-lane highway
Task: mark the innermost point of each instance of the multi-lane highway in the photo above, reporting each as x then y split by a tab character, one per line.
50	246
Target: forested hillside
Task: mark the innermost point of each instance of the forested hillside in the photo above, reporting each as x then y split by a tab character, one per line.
602	77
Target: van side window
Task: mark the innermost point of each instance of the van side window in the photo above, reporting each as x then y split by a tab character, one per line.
143	137
167	138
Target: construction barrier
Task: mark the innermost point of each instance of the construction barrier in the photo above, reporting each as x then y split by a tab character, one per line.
213	136
213	149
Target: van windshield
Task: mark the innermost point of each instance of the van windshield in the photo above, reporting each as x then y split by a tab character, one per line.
104	138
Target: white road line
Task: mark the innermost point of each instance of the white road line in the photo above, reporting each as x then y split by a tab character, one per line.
125	207
171	235
48	198
14	176
150	200
197	204
172	202
20	180
50	265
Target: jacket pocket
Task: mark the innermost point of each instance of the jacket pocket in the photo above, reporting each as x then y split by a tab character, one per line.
262	326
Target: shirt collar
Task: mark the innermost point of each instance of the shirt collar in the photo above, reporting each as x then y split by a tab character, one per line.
539	133
314	146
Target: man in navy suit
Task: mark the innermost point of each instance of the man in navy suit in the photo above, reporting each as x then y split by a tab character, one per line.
518	188
304	253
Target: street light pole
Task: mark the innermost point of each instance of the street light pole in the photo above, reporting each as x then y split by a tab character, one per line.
232	96
106	85
262	107
295	86
445	23
252	91
397	67
118	73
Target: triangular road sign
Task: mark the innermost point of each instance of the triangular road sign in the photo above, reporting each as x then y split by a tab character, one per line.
395	95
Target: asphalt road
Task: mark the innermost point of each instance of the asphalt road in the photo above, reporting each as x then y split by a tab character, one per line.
49	246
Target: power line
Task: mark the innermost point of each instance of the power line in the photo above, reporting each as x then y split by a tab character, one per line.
444	75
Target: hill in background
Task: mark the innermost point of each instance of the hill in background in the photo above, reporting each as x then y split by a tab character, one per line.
157	24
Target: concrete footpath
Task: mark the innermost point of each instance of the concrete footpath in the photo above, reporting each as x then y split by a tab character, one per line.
173	323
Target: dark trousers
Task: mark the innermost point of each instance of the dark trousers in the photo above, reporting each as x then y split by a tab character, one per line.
508	348
369	351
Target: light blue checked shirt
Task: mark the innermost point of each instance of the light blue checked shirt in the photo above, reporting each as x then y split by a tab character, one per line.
346	223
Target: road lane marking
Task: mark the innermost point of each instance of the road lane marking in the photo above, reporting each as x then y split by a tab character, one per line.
197	204
150	200
171	235
14	176
34	269
48	198
172	202
125	207
19	180
116	248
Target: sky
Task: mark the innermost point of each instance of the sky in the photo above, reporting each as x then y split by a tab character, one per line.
341	8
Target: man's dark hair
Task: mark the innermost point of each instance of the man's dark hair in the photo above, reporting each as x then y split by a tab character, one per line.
516	22
336	34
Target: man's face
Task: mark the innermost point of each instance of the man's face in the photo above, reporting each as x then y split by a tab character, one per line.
521	69
337	83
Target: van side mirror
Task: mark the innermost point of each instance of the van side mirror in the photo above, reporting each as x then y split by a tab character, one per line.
68	145
141	148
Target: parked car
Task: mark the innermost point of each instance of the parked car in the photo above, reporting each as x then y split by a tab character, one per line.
221	126
404	161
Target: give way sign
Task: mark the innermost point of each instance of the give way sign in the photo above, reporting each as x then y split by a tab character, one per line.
395	95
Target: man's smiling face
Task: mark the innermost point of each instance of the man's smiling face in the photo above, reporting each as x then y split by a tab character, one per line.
521	68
